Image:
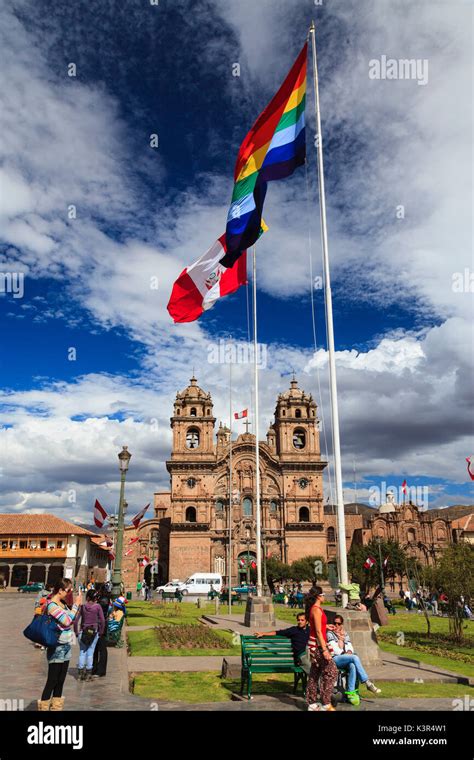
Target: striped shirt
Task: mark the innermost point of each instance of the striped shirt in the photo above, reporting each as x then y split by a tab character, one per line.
65	619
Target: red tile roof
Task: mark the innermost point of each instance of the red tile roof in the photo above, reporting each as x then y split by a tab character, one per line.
37	525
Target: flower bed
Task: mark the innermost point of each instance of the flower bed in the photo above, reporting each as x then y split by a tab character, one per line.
188	637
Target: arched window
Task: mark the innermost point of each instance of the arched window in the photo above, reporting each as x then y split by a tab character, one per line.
191	514
193	412
299	439
247	510
283	413
298	413
331	536
208	412
177	412
273	507
440	534
192	438
219	510
304	514
411	535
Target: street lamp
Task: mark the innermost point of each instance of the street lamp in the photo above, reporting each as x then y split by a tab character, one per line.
154	543
124	461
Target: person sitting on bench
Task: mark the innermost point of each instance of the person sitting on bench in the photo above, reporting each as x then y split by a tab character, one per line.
342	650
298	635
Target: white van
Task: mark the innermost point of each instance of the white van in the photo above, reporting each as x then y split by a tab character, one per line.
200	583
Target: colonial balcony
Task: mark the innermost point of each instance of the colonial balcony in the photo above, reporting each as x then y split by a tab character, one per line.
30	555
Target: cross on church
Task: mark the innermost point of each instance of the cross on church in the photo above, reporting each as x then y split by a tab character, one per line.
247	423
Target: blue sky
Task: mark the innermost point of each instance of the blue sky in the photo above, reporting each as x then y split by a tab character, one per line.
403	336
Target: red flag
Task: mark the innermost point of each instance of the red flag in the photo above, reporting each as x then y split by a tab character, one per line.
129	552
200	285
145	561
241	415
133	541
369	562
139	517
404	486
470	466
100	515
242	562
253	564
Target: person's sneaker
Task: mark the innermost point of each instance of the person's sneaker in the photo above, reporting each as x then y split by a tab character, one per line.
314	707
353	698
372	687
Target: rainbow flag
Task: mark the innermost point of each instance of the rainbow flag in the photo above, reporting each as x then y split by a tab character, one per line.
273	149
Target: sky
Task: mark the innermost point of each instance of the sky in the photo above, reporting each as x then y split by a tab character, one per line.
98	224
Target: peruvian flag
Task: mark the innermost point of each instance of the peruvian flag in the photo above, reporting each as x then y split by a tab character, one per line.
129	552
145	561
107	543
100	515
470	466
242	562
369	562
199	286
404	487
241	415
133	541
139	517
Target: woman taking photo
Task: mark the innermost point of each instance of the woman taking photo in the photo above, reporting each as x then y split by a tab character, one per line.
323	668
58	657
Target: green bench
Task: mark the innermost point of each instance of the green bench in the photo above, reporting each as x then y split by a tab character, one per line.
234	599
268	654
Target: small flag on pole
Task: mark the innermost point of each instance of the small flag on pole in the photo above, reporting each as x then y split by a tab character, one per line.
133	541
242	562
404	487
129	552
241	415
139	517
385	562
100	515
145	561
253	564
369	562
470	466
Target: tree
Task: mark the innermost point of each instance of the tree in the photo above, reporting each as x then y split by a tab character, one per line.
311	568
369	578
276	571
455	576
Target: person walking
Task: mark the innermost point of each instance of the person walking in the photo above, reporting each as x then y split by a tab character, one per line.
58	657
323	668
101	655
89	624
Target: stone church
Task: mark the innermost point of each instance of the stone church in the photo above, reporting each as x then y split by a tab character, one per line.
192	520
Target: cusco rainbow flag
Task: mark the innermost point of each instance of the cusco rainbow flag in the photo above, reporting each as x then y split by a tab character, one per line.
273	149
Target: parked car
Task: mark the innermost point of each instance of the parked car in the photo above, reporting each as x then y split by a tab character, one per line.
168	587
201	583
31	586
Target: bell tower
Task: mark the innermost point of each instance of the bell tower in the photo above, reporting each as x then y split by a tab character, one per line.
295	426
193	424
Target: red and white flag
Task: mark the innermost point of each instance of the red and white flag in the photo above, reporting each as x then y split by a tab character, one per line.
107	543
241	415
404	486
129	552
199	286
133	541
139	517
145	561
100	515
470	466
369	562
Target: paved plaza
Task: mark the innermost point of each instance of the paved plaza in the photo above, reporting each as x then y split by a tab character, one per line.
23	674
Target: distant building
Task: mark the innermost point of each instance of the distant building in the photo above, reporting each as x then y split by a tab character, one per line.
45	548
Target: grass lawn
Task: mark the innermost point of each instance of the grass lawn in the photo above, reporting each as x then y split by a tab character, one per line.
145	643
209	687
166	613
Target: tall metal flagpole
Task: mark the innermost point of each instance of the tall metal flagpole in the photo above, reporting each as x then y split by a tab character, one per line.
341	527
229	567
257	452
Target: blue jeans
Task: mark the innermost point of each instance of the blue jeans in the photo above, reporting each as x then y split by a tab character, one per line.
86	654
354	668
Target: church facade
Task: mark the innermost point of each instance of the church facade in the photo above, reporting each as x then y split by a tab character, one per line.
198	513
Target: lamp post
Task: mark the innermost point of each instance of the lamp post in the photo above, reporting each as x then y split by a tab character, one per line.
154	542
264	547
124	460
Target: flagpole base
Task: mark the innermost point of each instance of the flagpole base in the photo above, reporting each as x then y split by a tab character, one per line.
259	613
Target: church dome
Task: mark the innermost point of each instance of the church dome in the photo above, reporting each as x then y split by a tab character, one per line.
294	393
193	391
